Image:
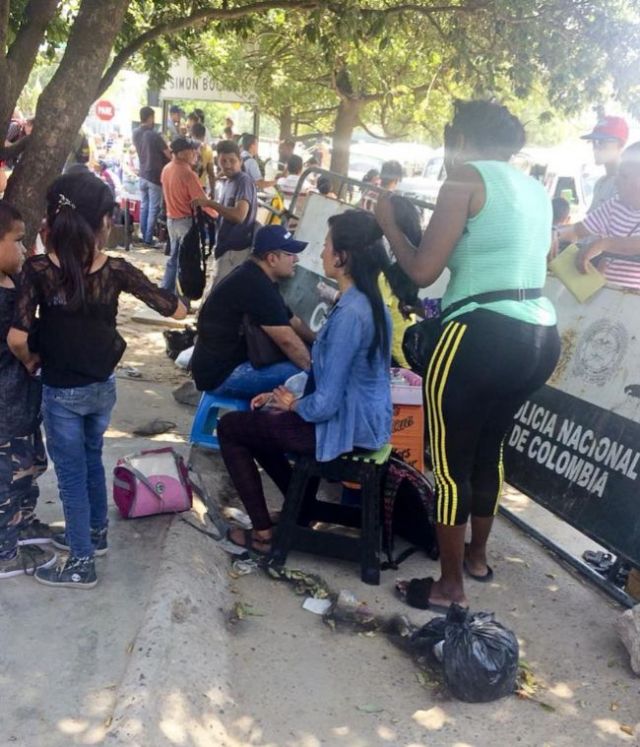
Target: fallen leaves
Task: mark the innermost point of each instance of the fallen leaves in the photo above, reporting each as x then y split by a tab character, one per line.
307	584
428	682
528	686
242	610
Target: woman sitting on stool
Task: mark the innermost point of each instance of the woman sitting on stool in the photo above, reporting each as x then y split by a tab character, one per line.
347	400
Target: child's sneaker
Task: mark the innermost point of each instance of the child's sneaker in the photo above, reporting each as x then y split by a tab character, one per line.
36	533
27	561
77	573
98	540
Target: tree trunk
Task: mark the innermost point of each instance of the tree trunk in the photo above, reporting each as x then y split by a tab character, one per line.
16	65
286	123
346	121
63	106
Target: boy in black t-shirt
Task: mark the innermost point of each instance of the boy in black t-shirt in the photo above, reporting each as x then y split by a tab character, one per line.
22	454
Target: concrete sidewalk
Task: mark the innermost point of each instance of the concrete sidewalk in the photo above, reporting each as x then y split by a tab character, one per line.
63	653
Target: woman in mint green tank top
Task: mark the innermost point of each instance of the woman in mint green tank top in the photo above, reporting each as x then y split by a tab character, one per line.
498	343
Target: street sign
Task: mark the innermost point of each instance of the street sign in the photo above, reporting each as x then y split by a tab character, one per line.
184	83
105	110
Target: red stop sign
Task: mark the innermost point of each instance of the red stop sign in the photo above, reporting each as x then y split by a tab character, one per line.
105	110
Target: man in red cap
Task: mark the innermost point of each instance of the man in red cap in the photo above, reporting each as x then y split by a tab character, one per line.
610	235
608	138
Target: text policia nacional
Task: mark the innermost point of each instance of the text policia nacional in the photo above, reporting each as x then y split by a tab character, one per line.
571	450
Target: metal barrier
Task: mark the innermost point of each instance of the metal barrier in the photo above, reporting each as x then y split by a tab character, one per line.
341	185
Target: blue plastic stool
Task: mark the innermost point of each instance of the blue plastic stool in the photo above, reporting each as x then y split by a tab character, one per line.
205	422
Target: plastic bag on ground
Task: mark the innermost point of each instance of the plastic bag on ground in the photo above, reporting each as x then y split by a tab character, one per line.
479	655
183	359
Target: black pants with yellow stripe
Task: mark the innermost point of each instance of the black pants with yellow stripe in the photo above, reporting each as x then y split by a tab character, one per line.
485	365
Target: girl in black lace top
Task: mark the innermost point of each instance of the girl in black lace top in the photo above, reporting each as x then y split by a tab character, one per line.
75	289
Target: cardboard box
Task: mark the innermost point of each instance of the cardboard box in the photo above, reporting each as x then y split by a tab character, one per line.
407	433
633	583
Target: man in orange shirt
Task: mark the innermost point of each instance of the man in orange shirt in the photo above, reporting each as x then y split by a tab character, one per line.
180	185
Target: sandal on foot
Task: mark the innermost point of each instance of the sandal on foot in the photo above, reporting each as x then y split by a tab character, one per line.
416	594
482	578
250	543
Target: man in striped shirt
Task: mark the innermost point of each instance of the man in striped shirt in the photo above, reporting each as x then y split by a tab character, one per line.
610	234
609	137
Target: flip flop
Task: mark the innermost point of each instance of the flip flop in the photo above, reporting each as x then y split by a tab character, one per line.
484	578
416	594
250	543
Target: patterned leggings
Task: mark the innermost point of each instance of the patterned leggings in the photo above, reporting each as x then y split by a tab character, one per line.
22	460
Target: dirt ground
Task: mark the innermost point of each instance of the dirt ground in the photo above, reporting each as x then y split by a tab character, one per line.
280	677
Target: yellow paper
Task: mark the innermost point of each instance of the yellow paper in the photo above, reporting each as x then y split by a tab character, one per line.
583	286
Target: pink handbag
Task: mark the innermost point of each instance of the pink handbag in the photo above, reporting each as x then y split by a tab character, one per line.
151	482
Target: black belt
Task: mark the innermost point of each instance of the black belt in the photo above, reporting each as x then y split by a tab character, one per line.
519	294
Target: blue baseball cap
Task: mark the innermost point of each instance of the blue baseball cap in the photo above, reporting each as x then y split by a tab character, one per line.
277	238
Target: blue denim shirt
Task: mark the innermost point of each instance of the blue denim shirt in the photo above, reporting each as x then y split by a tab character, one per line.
351	404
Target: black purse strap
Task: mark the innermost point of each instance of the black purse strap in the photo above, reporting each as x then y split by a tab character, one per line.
518	294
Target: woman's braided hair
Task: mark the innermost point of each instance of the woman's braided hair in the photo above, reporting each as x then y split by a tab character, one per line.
487	127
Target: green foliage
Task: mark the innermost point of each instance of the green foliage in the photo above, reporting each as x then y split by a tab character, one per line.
548	58
56	34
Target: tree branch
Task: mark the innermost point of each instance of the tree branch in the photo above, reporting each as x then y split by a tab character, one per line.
38	15
399	136
4	25
319	112
18	62
471	7
196	18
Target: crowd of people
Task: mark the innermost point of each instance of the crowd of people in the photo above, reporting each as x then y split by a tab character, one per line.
321	394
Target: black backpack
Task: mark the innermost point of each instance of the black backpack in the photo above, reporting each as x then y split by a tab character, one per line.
192	261
409	506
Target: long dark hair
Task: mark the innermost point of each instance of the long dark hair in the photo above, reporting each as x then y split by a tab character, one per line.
76	206
357	241
408	220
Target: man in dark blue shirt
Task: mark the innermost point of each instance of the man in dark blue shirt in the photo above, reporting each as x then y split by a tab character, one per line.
153	154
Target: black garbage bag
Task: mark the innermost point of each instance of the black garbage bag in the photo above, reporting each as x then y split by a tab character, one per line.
426	638
177	340
479	655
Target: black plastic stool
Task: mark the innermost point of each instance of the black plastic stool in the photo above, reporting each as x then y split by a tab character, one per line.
301	507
